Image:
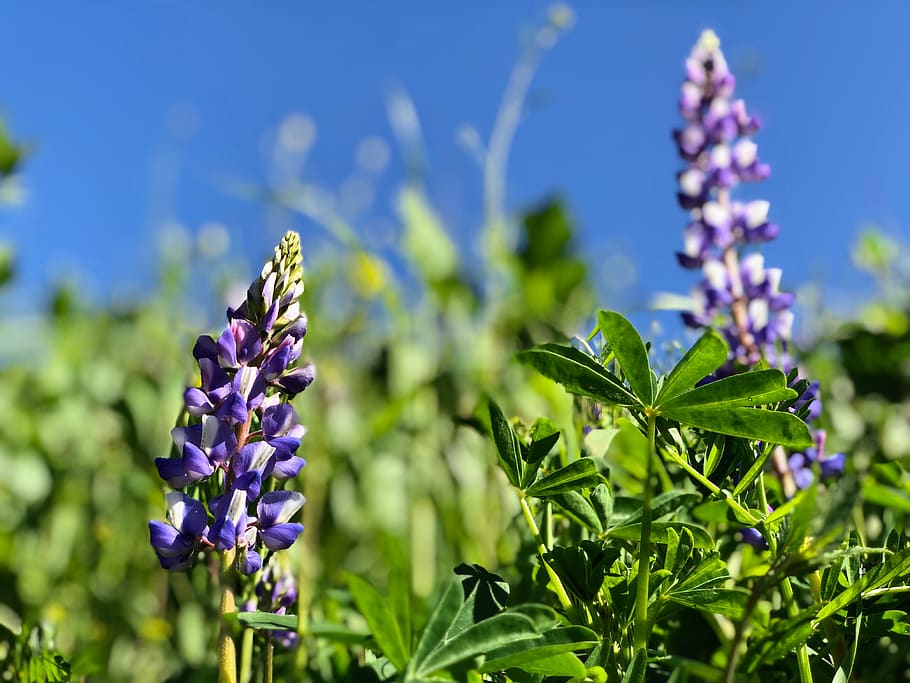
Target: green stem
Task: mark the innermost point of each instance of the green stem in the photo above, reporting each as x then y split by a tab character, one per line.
802	652
246	656
642	627
742	513
227	650
736	644
269	657
542	550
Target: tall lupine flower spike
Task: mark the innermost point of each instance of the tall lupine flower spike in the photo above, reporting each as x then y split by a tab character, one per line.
738	295
241	443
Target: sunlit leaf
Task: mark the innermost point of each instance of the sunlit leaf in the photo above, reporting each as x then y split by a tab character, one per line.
705	356
750	423
632	532
578	373
578	474
507	445
630	351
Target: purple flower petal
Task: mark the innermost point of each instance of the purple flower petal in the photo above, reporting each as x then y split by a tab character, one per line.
833	466
171	470
205	348
227	349
197	402
252	562
280	536
166	540
196	463
277	507
297	379
287	468
186	514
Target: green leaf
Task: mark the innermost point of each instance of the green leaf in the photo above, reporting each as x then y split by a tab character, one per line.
578	373
756	388
266	621
729	602
602	500
543	654
896	566
381	620
750	423
561	664
337	632
400	602
497	631
637	668
631	353
754	471
578	474
886	496
507	445
578	508
662	504
632	532
442	617
485	594
705	356
714	450
544	436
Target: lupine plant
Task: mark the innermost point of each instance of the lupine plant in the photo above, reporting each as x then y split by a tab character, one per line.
738	296
237	448
636	521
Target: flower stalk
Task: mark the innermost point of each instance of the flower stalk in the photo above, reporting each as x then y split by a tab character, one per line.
238	449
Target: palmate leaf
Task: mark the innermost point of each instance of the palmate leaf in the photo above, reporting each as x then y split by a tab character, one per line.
631	353
703	589
659	533
895	567
578	373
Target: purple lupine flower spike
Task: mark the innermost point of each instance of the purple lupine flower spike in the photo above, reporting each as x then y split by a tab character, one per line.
241	431
738	295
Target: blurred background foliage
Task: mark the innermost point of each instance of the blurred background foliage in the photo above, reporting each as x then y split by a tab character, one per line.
407	339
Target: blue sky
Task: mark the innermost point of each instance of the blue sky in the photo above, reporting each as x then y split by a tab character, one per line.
141	115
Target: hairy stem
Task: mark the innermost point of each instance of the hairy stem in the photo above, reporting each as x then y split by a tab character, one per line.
642	627
542	550
227	650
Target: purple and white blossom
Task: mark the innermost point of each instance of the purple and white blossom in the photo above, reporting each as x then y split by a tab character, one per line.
178	541
242	435
738	295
